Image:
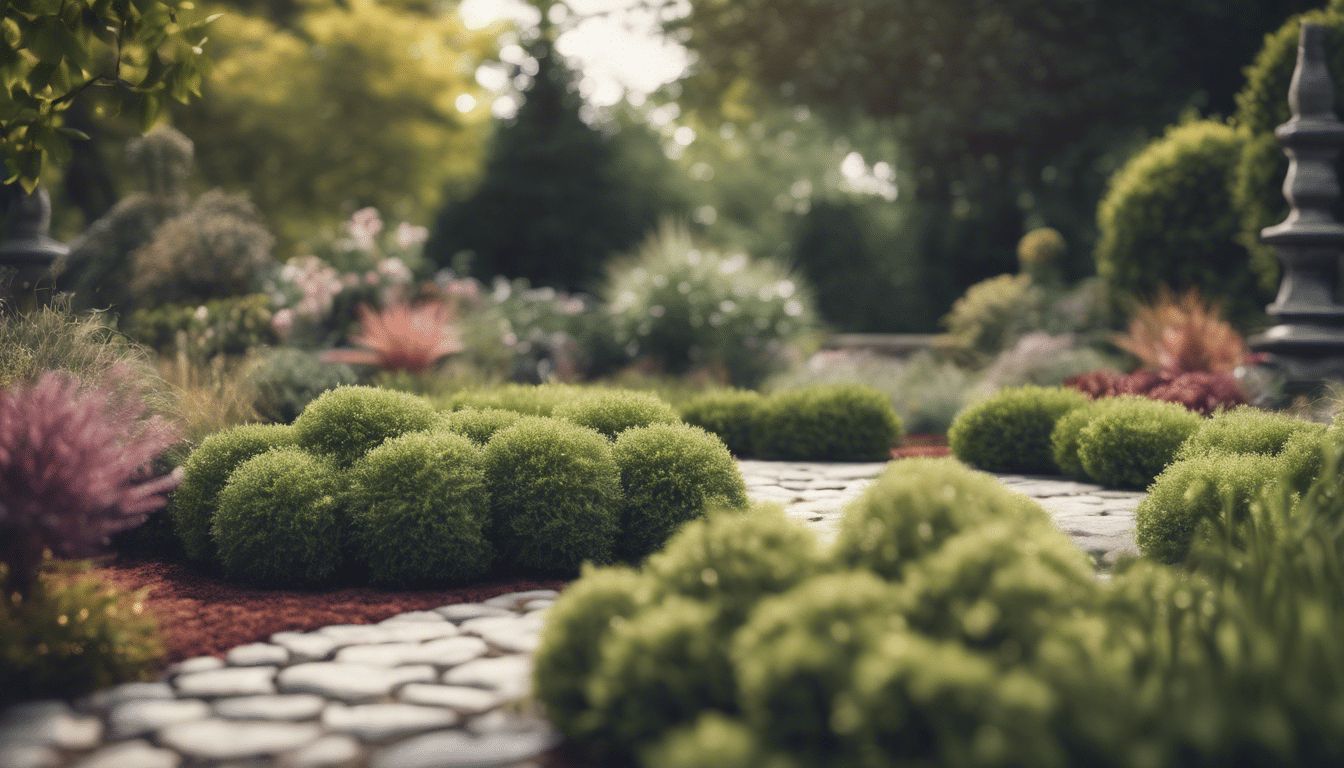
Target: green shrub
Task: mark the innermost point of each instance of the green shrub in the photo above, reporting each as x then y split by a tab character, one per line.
917	504
1130	443
993	313
74	635
728	414
195	501
288	379
478	425
1307	453
1167	220
1010	430
670	474
1245	430
576	630
613	411
555	496
1064	438
418	508
347	422
527	399
715	740
229	326
843	422
1190	492
278	520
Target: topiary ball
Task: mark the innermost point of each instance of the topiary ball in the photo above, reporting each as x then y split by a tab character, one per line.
843	422
916	505
1133	441
615	411
715	740
193	504
1245	430
1307	454
279	521
418	508
478	425
670	474
555	496
346	422
1064	438
1193	491
288	379
1010	430
729	414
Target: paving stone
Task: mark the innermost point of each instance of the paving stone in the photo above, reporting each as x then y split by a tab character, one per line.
380	722
257	655
196	664
331	751
512	634
513	598
464	611
49	723
216	739
503	721
230	681
305	646
396	632
509	675
537	604
131	754
350	682
147	716
104	700
16	755
414	616
464	699
295	706
455	749
448	652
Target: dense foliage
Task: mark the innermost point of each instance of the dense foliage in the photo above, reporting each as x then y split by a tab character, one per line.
1010	430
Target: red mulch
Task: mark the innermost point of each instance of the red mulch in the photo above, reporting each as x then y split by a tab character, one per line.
922	446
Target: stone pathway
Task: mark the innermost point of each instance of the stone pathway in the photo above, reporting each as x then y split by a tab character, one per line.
428	689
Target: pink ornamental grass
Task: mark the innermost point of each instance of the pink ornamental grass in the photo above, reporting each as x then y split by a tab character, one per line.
73	469
402	337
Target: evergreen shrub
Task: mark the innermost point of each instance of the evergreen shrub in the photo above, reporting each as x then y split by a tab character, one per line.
193	505
715	740
1245	430
729	414
527	399
478	425
346	422
555	496
288	379
670	474
418	509
1064	438
842	422
1193	491
279	521
613	411
993	313
1307	454
1010	430
1132	442
231	326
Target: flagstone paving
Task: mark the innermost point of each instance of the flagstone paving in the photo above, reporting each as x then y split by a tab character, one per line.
427	689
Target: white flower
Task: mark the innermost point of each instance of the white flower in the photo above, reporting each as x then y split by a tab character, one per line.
409	235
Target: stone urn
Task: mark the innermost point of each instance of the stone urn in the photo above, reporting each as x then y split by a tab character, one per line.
26	252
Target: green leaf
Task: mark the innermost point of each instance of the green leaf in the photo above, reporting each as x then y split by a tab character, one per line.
73	133
40	40
158	69
150	106
40	76
76	51
53	144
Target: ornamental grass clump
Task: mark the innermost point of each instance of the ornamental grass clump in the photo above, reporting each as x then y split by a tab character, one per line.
1188	493
418	508
844	422
1245	430
555	496
347	422
478	425
614	411
1010	430
729	414
1131	443
193	505
279	522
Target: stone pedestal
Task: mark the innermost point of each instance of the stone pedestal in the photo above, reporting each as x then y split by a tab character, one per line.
27	253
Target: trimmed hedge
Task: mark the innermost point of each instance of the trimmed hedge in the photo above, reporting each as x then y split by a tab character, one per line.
1010	430
845	422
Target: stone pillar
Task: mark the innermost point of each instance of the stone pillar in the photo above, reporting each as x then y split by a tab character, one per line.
27	253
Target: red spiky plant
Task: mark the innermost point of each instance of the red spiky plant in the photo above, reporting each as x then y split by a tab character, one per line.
74	470
1183	334
402	337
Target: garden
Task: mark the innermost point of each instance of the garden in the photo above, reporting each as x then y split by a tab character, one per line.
271	387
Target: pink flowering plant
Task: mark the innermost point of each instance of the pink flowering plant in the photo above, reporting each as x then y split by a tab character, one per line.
74	469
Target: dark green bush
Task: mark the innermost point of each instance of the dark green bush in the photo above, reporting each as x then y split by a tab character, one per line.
418	508
916	505
1010	430
613	411
193	504
1064	438
1192	491
1245	430
1167	220
729	414
229	326
555	496
288	379
347	422
715	740
843	422
1129	444
670	474
478	425
278	520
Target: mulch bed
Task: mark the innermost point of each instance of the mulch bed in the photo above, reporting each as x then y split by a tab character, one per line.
922	446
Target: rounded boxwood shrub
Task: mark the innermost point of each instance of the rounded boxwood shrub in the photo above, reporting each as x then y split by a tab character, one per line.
478	425
1010	430
670	474
843	422
345	423
1307	454
288	379
614	411
729	414
1245	430
279	522
555	496
418	508
1129	444
916	505
193	504
1064	438
715	740
1192	491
